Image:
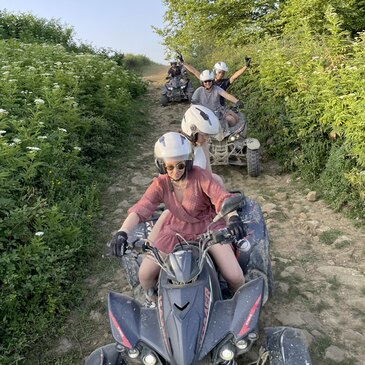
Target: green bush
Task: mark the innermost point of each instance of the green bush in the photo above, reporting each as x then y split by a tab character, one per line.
61	114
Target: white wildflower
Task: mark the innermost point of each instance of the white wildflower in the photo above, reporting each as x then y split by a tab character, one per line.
33	148
288	63
6	67
315	58
58	63
13	80
6	73
3	112
77	148
2	132
39	234
62	130
39	101
42	137
17	140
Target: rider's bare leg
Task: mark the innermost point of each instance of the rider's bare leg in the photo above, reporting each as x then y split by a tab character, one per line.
148	273
157	227
228	266
149	270
231	118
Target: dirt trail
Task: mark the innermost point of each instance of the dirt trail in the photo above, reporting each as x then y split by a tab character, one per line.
317	255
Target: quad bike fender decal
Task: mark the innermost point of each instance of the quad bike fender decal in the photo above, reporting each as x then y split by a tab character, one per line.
252	143
121	338
135	323
245	326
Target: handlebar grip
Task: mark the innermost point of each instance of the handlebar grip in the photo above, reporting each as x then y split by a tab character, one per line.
222	235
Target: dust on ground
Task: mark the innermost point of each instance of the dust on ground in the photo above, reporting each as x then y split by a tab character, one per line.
317	255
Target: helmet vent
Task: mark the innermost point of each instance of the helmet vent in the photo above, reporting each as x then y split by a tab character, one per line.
204	115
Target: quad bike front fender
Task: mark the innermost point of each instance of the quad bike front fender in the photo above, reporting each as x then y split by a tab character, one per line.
286	346
252	143
238	316
106	355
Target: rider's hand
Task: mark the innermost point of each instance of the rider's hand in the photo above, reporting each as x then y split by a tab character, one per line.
237	227
247	61
180	57
118	244
238	104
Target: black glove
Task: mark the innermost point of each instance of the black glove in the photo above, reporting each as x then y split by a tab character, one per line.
248	61
180	57
238	104
119	243
236	227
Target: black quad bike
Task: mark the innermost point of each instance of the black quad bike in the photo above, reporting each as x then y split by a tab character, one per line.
176	89
231	146
192	322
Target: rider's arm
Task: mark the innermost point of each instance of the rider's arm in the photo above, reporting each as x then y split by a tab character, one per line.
237	74
130	223
195	99
228	96
192	69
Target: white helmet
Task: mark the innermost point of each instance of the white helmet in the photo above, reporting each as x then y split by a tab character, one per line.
206	75
220	66
173	61
173	146
197	119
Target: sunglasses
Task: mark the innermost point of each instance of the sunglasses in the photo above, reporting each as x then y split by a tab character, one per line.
206	81
179	166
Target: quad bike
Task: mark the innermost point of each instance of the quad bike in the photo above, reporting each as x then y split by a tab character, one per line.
192	322
177	88
231	146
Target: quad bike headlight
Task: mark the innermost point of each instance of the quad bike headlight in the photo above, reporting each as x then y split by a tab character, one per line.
226	353
241	344
133	353
149	359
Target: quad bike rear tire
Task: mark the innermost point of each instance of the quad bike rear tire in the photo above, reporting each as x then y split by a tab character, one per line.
164	100
253	162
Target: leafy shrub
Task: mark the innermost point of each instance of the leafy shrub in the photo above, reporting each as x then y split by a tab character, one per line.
61	113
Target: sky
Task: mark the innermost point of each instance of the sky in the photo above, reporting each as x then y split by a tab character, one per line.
123	25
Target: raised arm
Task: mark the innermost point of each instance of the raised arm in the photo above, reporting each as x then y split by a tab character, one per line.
237	74
241	70
191	69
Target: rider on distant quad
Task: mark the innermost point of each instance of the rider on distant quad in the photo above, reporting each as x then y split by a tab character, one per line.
175	70
220	69
209	96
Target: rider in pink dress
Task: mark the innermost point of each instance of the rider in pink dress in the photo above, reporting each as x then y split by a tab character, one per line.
189	194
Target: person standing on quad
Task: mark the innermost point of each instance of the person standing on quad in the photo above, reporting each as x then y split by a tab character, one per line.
209	96
220	70
192	198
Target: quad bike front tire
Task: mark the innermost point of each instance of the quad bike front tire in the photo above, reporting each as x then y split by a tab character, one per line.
253	162
164	100
131	268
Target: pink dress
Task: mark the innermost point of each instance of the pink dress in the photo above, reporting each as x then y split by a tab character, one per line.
192	216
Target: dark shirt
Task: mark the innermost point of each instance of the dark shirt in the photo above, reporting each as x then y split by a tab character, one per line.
172	72
224	84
